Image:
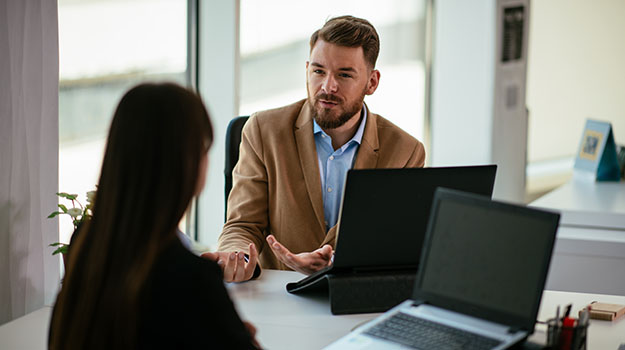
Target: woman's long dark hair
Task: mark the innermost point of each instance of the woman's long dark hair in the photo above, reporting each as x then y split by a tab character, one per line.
158	136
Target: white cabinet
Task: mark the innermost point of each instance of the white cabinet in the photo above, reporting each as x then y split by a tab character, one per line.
589	255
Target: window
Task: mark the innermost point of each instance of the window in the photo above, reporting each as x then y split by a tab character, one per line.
105	48
274	50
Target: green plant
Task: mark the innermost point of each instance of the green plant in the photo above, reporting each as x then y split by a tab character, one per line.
77	212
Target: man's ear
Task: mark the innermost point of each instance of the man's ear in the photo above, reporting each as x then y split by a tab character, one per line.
374	81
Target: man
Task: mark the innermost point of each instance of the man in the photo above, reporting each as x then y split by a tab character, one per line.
293	160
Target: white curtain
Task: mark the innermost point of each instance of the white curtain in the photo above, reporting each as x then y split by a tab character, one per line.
29	61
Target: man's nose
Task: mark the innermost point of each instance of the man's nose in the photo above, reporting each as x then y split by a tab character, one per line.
329	84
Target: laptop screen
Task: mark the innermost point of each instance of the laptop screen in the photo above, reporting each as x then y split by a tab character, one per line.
486	259
384	213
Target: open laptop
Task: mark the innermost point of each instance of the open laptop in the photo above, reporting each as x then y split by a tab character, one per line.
480	280
383	218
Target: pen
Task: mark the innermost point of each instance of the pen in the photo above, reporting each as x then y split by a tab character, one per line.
555	334
583	319
567	311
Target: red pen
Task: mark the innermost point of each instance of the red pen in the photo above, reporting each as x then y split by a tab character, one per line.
566	336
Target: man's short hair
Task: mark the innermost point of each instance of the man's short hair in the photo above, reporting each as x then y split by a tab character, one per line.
350	31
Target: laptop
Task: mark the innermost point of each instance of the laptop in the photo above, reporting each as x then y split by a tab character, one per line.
480	280
383	218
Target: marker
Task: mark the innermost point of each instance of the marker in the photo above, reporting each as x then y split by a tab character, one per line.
566	337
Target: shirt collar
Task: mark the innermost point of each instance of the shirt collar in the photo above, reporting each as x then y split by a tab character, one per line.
359	132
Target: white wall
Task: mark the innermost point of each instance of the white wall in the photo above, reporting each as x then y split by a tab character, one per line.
576	71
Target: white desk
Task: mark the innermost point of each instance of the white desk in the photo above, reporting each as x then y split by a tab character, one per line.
28	332
286	321
283	319
589	254
588	204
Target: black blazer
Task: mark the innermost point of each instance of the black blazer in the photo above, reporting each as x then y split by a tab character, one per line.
186	306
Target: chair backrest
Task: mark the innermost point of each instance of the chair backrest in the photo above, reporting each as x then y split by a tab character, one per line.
233	141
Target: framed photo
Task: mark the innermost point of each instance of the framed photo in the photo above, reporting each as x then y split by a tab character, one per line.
596	158
591	143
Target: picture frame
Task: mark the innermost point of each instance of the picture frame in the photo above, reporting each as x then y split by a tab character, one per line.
597	156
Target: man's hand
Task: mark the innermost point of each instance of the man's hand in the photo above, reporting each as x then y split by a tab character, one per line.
306	263
233	264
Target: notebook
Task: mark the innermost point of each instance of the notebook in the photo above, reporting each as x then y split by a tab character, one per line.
480	279
383	218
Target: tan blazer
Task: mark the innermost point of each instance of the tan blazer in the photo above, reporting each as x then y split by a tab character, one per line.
276	184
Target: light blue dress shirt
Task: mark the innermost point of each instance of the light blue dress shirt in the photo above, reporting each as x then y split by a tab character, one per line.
333	167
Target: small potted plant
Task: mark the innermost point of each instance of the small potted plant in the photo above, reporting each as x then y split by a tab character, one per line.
77	212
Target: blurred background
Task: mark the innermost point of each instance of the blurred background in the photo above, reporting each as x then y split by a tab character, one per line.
575	72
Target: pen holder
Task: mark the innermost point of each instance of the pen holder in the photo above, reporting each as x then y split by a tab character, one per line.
564	337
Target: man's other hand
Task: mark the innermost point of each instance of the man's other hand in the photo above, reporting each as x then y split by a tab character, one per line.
233	264
306	263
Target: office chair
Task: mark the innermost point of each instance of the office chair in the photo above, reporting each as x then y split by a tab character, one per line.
233	140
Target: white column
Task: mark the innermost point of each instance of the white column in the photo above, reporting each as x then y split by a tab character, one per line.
218	68
478	102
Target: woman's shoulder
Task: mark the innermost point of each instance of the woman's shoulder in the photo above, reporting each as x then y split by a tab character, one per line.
178	262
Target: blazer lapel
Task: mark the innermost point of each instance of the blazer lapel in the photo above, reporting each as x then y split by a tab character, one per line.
308	160
367	156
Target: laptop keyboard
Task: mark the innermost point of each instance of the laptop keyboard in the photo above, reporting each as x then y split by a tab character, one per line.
418	333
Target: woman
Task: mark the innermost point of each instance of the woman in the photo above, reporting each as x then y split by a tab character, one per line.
130	282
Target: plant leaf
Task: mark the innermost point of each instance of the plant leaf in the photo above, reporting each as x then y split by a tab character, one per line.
63	207
62	248
53	214
67	195
59	250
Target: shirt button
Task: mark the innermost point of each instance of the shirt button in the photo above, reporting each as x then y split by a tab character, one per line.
329	189
331	157
323	136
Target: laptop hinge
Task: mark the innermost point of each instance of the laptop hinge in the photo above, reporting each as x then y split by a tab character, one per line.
418	302
385	268
513	330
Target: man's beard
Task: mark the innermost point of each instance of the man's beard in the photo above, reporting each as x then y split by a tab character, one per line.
324	117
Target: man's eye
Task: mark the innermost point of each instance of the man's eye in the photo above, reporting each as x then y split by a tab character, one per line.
318	71
345	75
